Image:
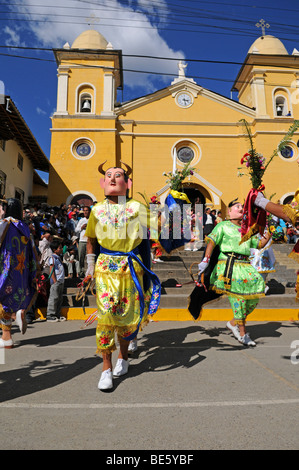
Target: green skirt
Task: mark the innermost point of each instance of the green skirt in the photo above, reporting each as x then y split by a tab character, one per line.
241	282
237	279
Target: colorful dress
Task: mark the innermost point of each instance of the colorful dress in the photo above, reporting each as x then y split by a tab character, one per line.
123	301
17	269
233	274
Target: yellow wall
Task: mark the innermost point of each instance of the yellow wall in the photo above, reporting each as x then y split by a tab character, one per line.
144	132
77	174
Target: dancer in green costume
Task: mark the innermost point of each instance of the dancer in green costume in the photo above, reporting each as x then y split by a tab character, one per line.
233	274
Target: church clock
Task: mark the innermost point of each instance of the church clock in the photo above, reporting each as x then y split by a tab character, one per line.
184	100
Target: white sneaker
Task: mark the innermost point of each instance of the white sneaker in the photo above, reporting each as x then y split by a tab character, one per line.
246	340
121	368
105	382
133	346
21	321
234	329
6	343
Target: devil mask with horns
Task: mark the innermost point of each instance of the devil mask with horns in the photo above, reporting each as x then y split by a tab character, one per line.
116	181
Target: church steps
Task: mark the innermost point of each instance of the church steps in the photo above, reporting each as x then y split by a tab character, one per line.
269	301
175	269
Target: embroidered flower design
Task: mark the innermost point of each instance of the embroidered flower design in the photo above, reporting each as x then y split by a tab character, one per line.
104	340
8	290
113	266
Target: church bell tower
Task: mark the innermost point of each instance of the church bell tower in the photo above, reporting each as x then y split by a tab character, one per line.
83	125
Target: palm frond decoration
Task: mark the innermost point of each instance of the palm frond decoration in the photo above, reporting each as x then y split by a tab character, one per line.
149	202
145	198
255	162
175	180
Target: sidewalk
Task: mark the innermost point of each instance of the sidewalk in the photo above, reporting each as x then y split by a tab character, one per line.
190	386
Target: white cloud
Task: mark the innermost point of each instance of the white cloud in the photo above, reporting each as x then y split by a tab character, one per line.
14	38
134	30
40	111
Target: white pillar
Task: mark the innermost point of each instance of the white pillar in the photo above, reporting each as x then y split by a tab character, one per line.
62	90
174	161
108	95
259	97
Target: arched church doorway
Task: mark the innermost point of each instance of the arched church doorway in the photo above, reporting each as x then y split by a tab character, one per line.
194	195
288	199
82	200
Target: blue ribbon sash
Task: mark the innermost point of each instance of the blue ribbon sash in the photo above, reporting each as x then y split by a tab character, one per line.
156	292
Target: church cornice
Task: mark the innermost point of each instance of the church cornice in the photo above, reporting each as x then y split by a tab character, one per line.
181	135
177	123
83	54
185	85
81	129
85	116
64	57
265	60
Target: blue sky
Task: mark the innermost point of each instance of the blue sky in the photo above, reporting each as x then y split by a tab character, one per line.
206	34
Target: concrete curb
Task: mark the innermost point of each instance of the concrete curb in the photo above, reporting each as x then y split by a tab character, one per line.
208	314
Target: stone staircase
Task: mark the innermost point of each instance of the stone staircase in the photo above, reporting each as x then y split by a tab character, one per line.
174	270
286	267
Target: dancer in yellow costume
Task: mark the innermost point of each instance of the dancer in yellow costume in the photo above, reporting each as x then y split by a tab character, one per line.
119	225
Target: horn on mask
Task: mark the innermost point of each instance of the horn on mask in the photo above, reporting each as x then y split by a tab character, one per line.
100	168
128	168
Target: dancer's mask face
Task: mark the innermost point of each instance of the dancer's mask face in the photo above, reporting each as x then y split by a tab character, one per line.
236	211
114	183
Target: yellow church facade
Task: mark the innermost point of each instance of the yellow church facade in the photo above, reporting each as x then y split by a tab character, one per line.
164	130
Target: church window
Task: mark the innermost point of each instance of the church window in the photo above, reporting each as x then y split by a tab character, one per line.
85	98
287	152
281	103
280	106
290	152
186	151
19	194
185	154
20	162
83	148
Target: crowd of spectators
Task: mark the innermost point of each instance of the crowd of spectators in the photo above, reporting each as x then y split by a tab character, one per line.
65	223
63	227
68	222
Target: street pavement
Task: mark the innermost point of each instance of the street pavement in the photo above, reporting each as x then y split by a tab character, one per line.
190	386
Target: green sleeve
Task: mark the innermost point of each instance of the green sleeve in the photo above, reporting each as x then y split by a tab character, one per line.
216	235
